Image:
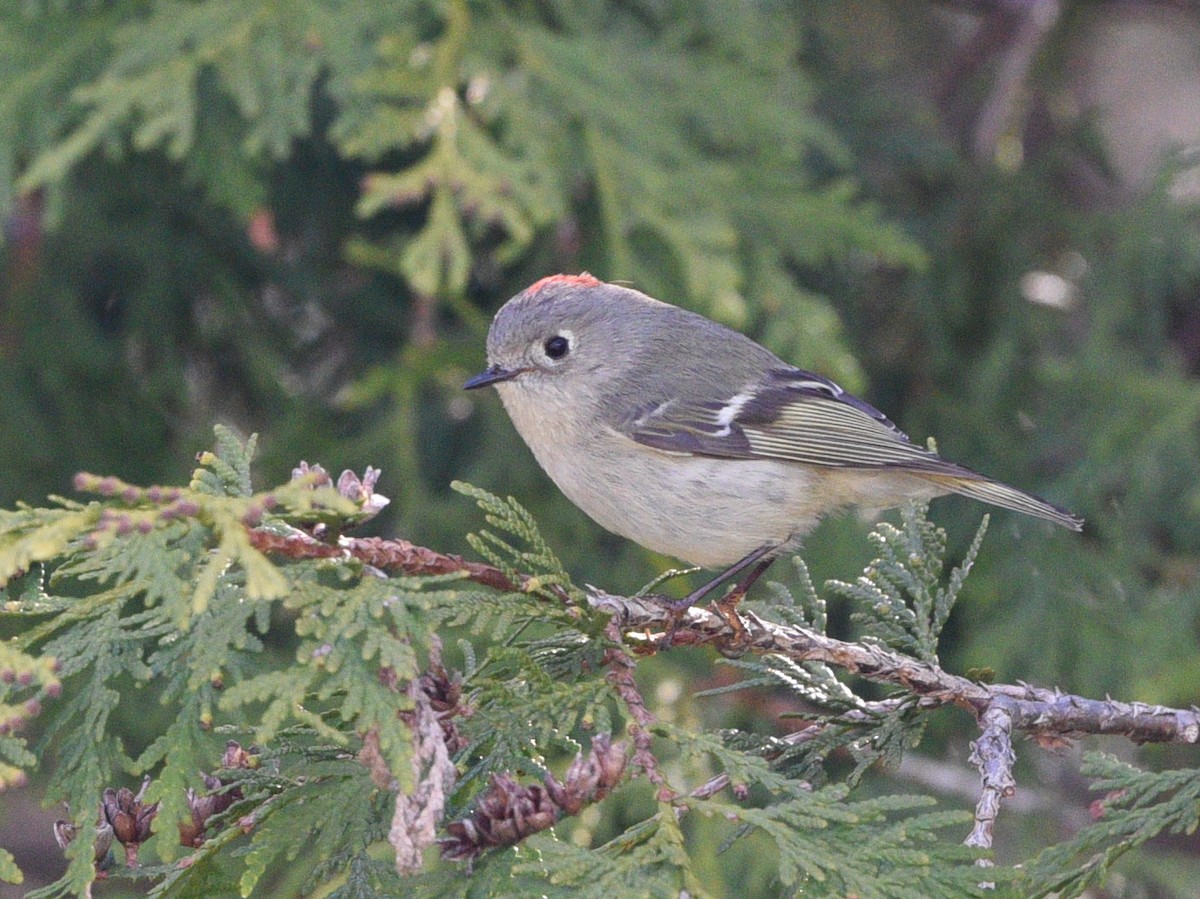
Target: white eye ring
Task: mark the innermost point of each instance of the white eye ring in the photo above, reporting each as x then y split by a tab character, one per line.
558	346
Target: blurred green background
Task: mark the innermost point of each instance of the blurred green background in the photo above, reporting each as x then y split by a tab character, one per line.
297	218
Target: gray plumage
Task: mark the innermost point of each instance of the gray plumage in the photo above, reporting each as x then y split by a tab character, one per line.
690	438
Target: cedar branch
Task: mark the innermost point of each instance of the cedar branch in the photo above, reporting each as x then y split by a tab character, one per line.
1034	710
999	709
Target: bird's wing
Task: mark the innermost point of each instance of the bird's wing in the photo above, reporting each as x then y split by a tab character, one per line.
796	416
791	415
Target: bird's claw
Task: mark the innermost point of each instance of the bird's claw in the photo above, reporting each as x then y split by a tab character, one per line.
726	609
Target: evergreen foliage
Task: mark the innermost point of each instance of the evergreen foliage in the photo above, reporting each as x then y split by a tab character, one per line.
902	603
1137	806
304	661
915	626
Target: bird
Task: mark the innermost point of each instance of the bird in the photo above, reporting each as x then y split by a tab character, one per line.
694	441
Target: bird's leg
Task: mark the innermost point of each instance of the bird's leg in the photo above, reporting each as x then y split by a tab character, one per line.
732	571
726	606
758	561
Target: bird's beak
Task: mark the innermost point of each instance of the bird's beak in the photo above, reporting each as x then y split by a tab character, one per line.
494	374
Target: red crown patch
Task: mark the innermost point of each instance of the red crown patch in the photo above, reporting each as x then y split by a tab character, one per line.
580	280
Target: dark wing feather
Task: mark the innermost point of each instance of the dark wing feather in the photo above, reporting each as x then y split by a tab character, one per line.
791	415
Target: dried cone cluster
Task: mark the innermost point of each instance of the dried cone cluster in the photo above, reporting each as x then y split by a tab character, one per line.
445	695
219	797
65	833
129	817
509	811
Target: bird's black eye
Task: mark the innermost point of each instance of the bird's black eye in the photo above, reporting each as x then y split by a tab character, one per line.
557	346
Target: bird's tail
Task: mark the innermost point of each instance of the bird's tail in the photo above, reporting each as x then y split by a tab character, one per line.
998	494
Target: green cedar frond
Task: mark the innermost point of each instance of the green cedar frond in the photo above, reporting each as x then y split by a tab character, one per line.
148	564
1137	806
28	536
121	618
61	888
267	59
518	723
94	658
901	599
829	846
487	117
347	815
335	808
649	859
14	756
745	769
808	611
909	604
226	471
826	845
24	679
184	749
470	661
263	581
537	559
284	694
837	719
362	877
663	577
495	874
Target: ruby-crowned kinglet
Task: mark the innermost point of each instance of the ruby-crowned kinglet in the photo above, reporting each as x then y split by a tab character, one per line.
694	441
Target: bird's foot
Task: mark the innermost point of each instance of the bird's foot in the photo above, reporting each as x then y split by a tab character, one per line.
726	609
676	609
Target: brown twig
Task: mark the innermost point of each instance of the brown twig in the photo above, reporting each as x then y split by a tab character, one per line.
1033	709
620	675
1037	18
386	555
1010	34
